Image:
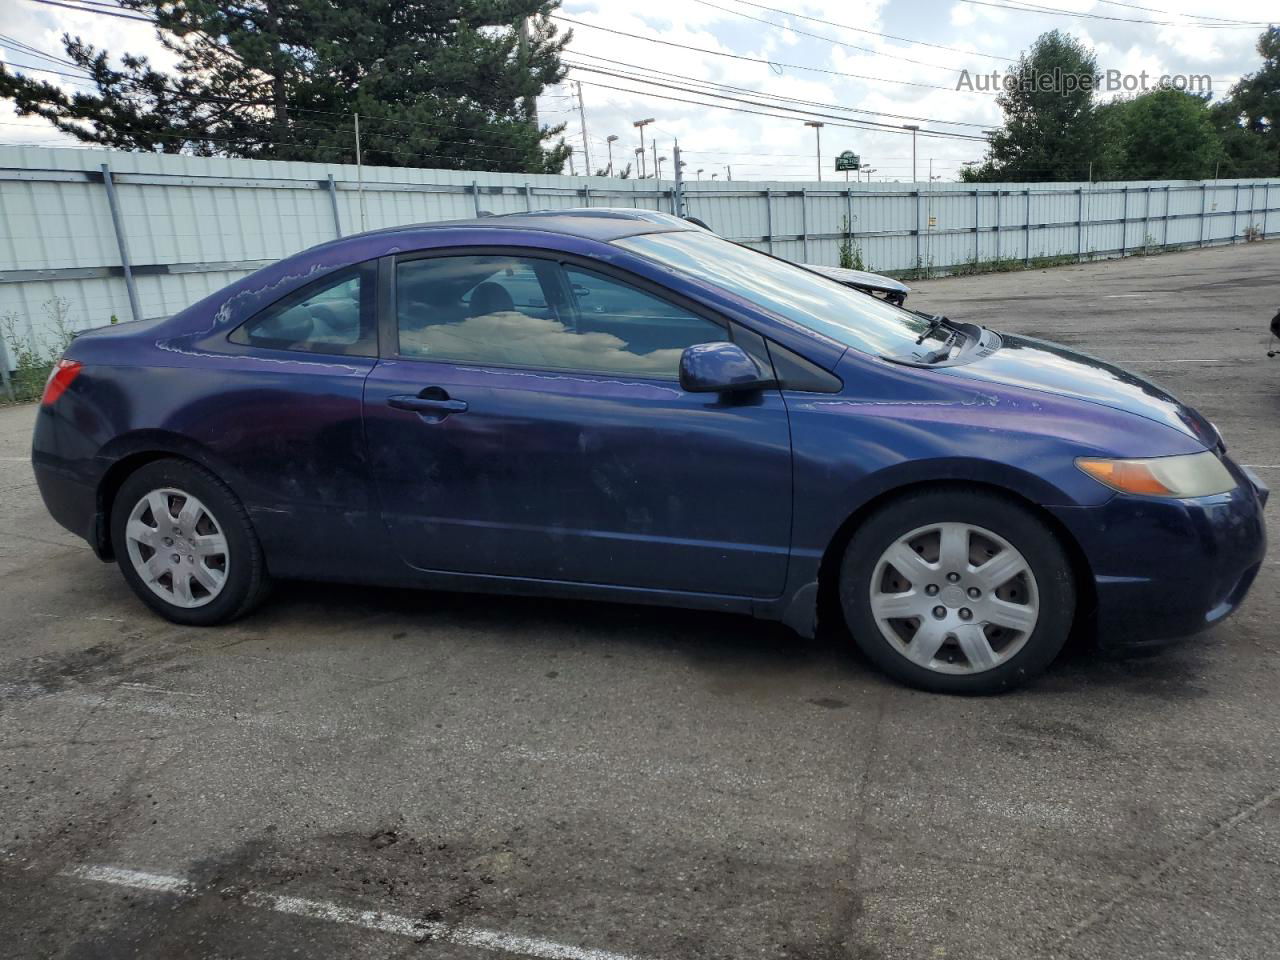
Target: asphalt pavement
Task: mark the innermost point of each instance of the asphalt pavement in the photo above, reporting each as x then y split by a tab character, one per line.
356	773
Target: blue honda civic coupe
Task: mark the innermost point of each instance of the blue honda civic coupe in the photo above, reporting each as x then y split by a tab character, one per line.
619	405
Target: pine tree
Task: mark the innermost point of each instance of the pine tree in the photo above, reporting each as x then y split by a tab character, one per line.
436	83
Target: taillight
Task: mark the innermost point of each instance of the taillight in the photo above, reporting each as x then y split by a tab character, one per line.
64	371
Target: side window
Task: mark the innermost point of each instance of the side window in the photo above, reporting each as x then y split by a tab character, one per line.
334	315
528	312
647	325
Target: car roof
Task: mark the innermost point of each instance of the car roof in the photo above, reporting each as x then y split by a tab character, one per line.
592	223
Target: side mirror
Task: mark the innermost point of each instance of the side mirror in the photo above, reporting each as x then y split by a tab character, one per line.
720	368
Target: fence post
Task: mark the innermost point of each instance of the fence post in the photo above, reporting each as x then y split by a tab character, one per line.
4	370
586	195
1235	214
804	223
1204	205
333	200
1026	230
528	196
919	265
1266	207
1146	219
1124	225
977	226
1165	240
474	190
1080	224
121	244
848	208
997	196
768	216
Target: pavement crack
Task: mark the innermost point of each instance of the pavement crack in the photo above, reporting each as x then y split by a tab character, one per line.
1149	877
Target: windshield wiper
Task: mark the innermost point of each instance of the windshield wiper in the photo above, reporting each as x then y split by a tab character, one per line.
936	323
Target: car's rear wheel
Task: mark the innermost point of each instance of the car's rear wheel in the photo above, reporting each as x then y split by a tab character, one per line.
957	592
185	544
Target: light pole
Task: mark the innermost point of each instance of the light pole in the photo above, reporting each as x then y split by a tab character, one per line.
700	173
640	125
817	132
658	160
914	128
870	171
714	175
609	140
640	162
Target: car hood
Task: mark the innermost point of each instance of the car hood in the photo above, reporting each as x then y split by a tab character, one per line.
1053	368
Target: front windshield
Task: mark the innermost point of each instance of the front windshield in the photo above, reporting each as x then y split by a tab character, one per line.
845	315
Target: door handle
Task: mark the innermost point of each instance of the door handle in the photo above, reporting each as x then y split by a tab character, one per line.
431	402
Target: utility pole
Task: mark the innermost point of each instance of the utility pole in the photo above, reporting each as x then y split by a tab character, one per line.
728	170
582	117
522	49
640	125
657	167
360	176
817	132
609	140
914	128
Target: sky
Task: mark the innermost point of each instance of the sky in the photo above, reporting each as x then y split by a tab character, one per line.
895	62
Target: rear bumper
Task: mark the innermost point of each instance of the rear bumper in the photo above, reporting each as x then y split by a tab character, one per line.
1164	569
69	488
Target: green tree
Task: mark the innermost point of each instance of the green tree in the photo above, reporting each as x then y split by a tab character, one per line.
436	83
1162	135
1049	129
1249	119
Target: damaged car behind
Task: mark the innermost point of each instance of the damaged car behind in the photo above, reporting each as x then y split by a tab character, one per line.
606	405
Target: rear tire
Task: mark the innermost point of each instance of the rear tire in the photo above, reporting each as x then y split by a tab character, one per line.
957	591
185	544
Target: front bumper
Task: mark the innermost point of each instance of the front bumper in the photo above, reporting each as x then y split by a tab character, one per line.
1164	569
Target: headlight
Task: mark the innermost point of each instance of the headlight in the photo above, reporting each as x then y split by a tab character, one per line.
1192	475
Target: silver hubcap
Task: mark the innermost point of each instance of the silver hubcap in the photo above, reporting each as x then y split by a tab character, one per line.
954	598
177	547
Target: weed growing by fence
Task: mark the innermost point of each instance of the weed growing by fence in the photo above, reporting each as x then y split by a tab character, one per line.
33	358
850	252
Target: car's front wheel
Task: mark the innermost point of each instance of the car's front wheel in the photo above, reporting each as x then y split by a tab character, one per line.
957	592
185	544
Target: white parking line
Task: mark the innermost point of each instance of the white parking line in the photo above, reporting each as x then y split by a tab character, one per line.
1262	466
15	459
1183	360
380	921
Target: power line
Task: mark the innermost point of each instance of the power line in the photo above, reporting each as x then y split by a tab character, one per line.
665	75
1193	16
874	33
772	64
849	122
823	37
99	11
1036	8
852	122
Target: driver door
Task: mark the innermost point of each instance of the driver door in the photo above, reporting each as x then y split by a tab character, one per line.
539	431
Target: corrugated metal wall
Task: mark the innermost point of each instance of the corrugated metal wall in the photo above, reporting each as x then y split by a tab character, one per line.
193	224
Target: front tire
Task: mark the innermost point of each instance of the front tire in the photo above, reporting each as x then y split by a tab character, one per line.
185	545
957	591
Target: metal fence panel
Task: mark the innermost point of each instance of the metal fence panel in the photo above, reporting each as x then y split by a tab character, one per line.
193	224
